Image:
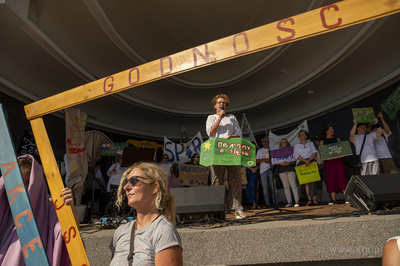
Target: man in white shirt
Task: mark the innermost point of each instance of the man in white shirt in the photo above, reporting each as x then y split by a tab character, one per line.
369	158
386	163
262	158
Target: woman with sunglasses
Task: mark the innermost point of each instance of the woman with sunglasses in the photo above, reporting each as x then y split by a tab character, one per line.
168	167
151	239
195	159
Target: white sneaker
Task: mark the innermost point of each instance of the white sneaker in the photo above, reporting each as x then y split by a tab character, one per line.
296	205
240	215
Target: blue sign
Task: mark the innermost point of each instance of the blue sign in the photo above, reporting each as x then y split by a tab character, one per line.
33	250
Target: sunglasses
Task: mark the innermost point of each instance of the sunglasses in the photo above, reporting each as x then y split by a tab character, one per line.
133	180
165	157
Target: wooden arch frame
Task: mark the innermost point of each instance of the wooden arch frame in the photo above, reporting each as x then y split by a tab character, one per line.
305	25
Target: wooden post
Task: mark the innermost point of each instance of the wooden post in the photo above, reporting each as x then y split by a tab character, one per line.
70	232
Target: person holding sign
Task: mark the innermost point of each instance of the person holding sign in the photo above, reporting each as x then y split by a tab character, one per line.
222	125
365	142
195	159
151	239
335	169
45	216
288	178
386	163
305	152
115	173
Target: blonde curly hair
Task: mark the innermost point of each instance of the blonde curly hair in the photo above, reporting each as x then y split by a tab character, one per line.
164	201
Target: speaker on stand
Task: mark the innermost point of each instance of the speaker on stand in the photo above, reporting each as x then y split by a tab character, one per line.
369	192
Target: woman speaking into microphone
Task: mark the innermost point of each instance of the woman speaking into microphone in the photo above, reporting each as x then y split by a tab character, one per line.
222	125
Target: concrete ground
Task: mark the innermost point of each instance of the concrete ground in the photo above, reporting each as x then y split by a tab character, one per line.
317	235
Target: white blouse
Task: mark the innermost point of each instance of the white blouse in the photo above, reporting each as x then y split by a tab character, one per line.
304	150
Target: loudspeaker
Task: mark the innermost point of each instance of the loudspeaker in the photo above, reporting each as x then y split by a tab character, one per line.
200	200
367	193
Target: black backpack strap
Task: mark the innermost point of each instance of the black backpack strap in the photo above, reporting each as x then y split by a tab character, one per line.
362	146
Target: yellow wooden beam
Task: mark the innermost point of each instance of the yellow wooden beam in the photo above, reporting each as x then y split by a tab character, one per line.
70	232
312	23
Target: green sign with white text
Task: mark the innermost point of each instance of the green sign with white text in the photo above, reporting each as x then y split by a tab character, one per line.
335	150
234	151
364	115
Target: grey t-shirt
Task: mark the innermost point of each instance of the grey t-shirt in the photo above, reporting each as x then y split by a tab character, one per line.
149	240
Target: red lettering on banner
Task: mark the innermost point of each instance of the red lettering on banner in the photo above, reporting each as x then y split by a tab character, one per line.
221	151
31	245
292	31
163	73
219	144
137	76
17	223
236	152
69	234
323	19
111	85
205	57
9	167
55	204
246	42
18	189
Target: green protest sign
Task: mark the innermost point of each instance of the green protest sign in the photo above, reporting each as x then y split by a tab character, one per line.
113	149
234	151
392	104
307	173
335	150
364	115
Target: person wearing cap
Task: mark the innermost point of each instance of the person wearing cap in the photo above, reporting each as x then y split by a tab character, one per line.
262	158
223	125
386	163
369	158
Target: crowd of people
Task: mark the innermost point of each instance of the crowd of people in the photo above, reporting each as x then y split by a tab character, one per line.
151	238
370	142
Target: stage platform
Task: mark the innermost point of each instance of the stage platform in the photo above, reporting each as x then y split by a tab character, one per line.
315	235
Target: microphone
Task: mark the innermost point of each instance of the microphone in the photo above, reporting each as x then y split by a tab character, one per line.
222	108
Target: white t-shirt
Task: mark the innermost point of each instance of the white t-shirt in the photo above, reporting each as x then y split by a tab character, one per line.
228	126
116	177
263	153
304	150
166	167
368	153
149	240
381	147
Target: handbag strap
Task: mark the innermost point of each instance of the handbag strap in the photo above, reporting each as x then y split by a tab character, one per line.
362	146
132	245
